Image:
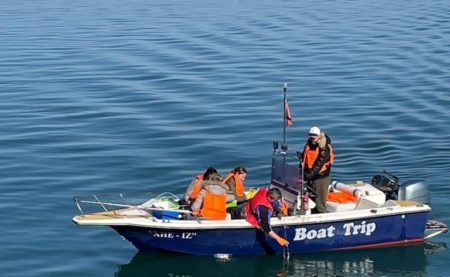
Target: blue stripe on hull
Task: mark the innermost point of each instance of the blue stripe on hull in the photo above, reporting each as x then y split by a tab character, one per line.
364	233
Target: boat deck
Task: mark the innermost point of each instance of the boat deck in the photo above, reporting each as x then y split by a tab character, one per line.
406	203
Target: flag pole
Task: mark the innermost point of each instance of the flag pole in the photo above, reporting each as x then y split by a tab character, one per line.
285	87
284	145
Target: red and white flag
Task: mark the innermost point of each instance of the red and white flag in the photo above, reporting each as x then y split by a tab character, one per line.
287	111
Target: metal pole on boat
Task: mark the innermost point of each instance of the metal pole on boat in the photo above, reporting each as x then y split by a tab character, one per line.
284	145
100	202
286	253
285	87
78	205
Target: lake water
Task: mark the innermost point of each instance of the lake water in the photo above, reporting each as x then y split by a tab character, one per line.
133	96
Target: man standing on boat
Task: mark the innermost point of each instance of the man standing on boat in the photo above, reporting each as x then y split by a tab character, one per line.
316	160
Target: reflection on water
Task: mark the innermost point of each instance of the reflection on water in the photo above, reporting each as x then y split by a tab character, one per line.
405	261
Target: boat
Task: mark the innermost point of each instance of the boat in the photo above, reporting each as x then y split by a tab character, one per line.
383	213
370	222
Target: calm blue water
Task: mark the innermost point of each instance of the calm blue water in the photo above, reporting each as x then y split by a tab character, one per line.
132	96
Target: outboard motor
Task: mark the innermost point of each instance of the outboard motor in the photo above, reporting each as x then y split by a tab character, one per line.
389	184
415	191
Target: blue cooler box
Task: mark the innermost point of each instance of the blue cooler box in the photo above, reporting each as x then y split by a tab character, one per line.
166	215
166	203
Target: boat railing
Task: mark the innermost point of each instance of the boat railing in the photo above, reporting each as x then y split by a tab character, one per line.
106	202
114	202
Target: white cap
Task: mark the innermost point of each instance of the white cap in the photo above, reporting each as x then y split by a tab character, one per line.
314	131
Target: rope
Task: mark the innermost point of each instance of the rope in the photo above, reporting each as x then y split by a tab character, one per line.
286	253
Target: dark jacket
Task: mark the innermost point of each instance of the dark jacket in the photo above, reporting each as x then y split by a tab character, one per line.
324	157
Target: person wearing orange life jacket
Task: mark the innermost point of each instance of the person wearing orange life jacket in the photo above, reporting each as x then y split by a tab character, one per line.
236	182
316	160
260	208
211	201
196	185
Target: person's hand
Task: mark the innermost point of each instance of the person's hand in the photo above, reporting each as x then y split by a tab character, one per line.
281	241
196	213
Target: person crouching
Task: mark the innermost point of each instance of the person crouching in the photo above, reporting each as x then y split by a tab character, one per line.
212	198
260	208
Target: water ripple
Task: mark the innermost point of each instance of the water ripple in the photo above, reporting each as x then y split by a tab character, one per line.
136	96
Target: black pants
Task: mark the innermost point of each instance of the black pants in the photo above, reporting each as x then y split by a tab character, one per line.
236	212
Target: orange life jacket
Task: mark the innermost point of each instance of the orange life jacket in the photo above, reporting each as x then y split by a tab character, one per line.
214	206
341	197
197	187
238	183
311	155
250	209
284	209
